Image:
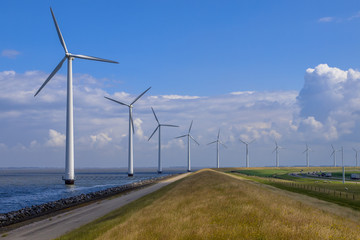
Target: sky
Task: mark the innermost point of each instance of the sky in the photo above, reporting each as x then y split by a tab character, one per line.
285	71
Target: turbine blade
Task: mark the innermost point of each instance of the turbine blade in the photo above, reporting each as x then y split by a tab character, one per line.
92	58
58	31
223	145
140	96
117	101
194	140
191	125
218	134
182	136
251	141
153	132
155	116
243	142
51	75
168	125
332	147
211	142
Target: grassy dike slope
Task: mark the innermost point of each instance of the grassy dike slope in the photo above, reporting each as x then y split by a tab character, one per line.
212	205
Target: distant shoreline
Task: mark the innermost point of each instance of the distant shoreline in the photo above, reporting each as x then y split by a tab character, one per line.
10	219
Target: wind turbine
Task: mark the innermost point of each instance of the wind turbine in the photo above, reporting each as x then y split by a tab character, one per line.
188	135
159	128
217	148
307	155
334	153
69	177
131	131
356	156
247	150
343	167
276	149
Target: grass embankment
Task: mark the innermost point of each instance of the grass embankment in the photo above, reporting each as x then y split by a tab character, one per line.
211	205
347	194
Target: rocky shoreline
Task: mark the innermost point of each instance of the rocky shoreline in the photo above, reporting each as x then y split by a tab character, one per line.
27	213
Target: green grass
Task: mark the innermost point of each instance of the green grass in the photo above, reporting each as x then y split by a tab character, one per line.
212	205
344	193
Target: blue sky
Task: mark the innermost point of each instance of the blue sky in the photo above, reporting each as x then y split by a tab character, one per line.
265	70
186	47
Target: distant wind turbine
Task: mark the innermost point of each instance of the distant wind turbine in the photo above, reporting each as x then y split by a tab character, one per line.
247	151
188	135
333	153
131	131
159	128
69	177
356	156
276	149
217	148
307	155
343	167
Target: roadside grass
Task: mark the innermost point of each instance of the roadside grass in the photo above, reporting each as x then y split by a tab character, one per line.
211	205
347	194
103	224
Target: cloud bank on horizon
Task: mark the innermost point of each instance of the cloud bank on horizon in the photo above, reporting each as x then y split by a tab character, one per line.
326	110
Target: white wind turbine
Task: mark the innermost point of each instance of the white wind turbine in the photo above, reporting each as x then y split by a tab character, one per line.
343	167
356	156
217	148
307	155
247	151
159	128
333	153
69	177
276	149
131	131
188	135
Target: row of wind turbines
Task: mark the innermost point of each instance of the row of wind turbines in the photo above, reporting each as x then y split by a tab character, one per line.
69	176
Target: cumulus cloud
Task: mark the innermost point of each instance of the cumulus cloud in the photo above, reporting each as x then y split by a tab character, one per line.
329	101
56	139
10	53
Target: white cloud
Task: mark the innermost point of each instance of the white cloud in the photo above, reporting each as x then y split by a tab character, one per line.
10	53
326	19
56	139
327	109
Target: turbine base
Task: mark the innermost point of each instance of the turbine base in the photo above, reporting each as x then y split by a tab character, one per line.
130	174
159	172
189	170
69	181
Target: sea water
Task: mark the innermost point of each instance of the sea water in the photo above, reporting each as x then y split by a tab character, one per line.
21	188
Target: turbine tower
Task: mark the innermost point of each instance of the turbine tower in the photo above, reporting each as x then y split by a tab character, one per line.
131	131
217	148
188	135
276	149
69	177
307	155
159	128
343	167
247	151
356	156
333	153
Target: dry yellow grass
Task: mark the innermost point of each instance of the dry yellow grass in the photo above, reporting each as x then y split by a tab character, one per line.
210	205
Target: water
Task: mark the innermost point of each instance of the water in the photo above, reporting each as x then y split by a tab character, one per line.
27	187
